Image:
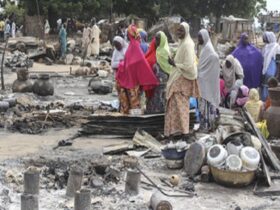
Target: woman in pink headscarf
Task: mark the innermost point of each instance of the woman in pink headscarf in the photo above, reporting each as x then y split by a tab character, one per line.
134	74
242	96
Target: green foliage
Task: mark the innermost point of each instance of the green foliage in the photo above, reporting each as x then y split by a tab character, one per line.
241	8
150	9
18	11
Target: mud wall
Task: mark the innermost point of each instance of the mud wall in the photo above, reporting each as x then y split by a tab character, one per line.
34	27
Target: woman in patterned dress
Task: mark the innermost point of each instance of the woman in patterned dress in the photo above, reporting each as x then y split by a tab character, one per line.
182	84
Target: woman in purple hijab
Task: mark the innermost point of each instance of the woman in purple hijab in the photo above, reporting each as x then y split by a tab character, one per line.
251	60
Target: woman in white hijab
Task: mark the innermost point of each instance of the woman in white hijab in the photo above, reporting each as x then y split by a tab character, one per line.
233	76
231	72
119	51
47	27
208	80
181	85
269	65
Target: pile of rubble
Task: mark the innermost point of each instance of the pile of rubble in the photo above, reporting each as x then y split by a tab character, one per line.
23	51
18	59
26	113
235	154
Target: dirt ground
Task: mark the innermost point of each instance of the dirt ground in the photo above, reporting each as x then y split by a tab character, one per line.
18	151
17	147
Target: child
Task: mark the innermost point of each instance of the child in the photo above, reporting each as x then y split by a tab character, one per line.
272	83
242	96
254	105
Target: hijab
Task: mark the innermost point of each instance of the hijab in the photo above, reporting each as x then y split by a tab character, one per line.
120	40
185	60
118	55
270	50
209	71
254	95
144	45
251	61
229	74
241	101
135	70
163	53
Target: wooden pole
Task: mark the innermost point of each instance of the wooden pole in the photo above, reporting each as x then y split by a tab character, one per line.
29	202
2	64
42	34
31	182
132	183
74	182
82	200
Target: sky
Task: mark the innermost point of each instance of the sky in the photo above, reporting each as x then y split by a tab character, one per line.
273	5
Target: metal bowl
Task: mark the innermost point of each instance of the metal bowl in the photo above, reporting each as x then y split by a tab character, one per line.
173	154
232	178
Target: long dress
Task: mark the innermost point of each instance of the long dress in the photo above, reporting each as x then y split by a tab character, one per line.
63	41
269	67
251	61
177	117
208	79
13	30
95	45
86	41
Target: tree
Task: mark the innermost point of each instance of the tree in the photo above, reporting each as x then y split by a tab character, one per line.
80	9
149	9
242	8
17	11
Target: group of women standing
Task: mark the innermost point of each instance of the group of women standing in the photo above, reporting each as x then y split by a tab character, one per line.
168	81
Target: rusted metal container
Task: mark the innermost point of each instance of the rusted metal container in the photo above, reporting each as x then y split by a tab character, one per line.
272	115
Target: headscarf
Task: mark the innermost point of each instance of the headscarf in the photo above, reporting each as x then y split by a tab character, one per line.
135	70
163	53
270	50
118	55
120	40
133	33
229	74
242	40
254	95
251	60
241	101
185	60
209	71
254	105
151	54
144	45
